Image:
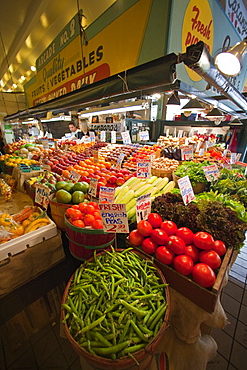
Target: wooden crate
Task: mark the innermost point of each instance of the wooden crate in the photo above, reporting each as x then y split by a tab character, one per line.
205	298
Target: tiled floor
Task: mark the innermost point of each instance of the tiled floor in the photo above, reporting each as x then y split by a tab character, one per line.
48	350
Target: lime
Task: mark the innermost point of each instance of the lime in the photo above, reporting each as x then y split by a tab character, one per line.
69	187
77	197
63	196
81	186
60	185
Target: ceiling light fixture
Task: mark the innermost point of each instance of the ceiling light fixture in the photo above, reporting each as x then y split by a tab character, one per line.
14	86
174	99
229	62
193	105
236	122
215	116
33	68
117	108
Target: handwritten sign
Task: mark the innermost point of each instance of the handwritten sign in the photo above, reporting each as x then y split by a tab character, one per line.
143	168
45	144
180	133
106	194
211	172
126	137
187	152
143	207
144	135
46	167
114	217
42	193
167	132
93	187
92	135
74	176
238	156
102	136
186	189
198	146
113	137
233	158
119	161
201	152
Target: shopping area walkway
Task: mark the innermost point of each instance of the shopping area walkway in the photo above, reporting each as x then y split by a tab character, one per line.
48	350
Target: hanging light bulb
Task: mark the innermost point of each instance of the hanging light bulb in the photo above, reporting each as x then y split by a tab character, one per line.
193	106
174	99
229	62
215	116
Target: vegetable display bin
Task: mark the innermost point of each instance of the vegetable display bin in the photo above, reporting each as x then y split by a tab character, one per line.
140	360
57	212
83	241
199	187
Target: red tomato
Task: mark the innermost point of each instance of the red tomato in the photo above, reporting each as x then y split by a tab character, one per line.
203	275
75	206
82	206
203	240
78	223
135	238
68	211
97	215
159	236
97	224
149	246
164	255
144	228
176	244
94	204
155	219
211	258
185	234
75	214
88	219
183	264
192	252
89	209
219	247
169	227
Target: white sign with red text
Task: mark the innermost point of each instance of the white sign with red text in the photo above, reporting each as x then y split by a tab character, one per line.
186	189
143	207
114	217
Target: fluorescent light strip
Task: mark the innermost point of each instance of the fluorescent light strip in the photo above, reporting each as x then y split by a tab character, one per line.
114	110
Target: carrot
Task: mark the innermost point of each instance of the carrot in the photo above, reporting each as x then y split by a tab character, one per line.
24	214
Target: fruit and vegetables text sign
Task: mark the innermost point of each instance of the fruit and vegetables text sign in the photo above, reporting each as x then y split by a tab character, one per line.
114	217
102	136
233	158
211	172
126	137
119	161
42	193
106	194
93	187
143	169
74	176
187	152
186	189
113	137
143	207
144	135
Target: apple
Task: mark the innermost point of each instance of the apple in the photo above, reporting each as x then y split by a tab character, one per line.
120	181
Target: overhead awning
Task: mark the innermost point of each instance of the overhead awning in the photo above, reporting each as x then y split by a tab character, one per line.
141	80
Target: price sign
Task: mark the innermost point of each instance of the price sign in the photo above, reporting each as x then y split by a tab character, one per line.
106	194
143	207
175	132
198	146
186	141
95	156
45	144
113	137
185	187
187	152
126	137
74	176
238	156
56	145
233	158
167	132
224	152
114	217
211	172
201	152
228	166
46	167
144	135
180	133
102	136
93	187
143	168
42	193
119	161
92	135
245	172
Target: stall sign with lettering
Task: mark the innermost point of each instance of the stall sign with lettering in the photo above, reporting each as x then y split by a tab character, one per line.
114	217
93	187
167	132
106	194
42	193
238	156
143	168
126	137
201	152
144	135
143	207
46	167
233	158
187	153
119	161
212	172
95	156
186	189
180	133
74	176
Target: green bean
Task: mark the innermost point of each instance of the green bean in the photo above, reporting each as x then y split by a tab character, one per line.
94	291
125	331
67	307
145	330
133	309
113	330
93	272
93	343
144	337
100	300
102	339
113	349
112	285
158	326
92	325
147	316
159	315
132	349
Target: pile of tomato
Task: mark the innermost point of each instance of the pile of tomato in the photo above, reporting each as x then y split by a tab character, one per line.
85	214
196	255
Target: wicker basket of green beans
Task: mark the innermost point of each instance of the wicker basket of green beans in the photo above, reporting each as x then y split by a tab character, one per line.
116	306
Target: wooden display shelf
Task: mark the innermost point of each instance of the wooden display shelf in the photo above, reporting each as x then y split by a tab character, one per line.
205	298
